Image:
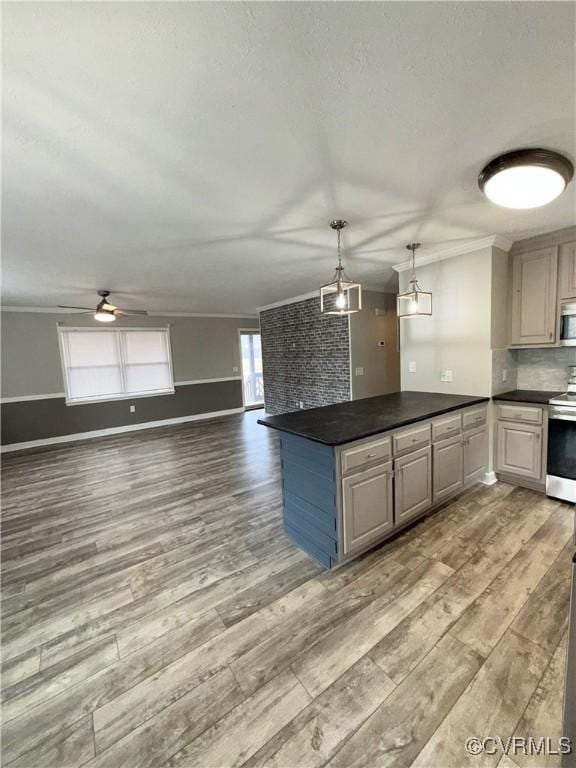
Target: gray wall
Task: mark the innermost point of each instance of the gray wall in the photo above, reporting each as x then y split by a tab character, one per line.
202	348
458	335
305	356
381	364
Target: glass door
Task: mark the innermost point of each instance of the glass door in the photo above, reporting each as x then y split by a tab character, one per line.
252	380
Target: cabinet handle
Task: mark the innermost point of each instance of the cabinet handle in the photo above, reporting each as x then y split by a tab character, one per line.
371	455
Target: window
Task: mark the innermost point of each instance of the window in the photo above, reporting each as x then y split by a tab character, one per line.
101	364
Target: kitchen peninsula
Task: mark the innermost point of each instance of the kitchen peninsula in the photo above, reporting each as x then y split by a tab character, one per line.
355	473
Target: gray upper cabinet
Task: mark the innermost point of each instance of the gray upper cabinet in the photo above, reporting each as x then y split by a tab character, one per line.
367	506
413	484
519	449
567	278
448	467
534	296
475	454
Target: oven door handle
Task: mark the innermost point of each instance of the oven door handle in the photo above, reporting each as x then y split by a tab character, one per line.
562	416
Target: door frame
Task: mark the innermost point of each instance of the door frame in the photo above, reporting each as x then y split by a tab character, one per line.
253	406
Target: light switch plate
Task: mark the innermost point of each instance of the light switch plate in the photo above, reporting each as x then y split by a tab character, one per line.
504	375
446	374
359	371
412	366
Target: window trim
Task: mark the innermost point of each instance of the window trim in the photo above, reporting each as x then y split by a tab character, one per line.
65	366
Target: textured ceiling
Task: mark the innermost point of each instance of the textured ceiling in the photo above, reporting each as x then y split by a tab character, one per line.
190	155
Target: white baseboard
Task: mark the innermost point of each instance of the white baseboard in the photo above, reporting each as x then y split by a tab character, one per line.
489	478
115	430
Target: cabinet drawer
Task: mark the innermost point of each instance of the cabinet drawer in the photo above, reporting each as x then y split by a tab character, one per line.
522	413
410	439
367	453
474	418
446	427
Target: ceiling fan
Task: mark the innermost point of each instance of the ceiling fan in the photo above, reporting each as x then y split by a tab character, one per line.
105	312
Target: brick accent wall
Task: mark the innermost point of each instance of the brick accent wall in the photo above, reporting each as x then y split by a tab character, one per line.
305	357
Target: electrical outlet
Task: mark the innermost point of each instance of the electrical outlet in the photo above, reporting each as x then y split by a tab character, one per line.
446	375
412	366
301	404
132	409
235	369
359	371
504	375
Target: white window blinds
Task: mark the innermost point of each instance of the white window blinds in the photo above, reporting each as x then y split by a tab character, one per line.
102	364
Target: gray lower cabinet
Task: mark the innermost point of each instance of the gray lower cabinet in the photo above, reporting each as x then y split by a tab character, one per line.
475	454
448	467
367	506
413	484
519	449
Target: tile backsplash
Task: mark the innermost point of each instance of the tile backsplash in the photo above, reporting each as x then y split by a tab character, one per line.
544	368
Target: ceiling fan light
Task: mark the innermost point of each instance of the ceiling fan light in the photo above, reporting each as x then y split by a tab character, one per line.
104	316
526	178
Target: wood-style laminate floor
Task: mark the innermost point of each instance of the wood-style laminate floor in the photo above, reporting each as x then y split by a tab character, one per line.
155	615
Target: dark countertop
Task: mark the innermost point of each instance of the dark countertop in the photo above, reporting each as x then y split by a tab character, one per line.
345	422
539	397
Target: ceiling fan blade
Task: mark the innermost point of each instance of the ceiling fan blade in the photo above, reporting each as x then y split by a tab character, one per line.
65	306
131	312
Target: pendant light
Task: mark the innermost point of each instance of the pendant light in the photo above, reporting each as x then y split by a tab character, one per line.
526	178
415	302
341	296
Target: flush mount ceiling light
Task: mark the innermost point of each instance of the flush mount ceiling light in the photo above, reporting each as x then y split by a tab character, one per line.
526	178
415	302
341	296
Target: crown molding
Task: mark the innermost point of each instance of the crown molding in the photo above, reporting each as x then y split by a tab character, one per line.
493	241
292	300
62	311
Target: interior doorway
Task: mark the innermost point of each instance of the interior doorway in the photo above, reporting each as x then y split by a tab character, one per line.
251	359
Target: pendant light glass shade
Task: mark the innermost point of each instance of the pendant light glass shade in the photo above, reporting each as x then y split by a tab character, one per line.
415	302
341	296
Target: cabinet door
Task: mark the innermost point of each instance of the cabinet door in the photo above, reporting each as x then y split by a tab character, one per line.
367	506
567	279
534	297
413	475
448	461
475	454
519	449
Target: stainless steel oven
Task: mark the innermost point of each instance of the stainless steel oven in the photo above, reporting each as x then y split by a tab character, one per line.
561	463
568	324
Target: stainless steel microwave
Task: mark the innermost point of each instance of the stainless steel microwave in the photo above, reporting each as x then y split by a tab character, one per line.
568	324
